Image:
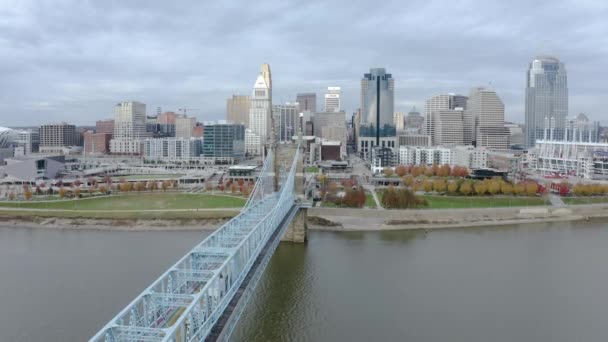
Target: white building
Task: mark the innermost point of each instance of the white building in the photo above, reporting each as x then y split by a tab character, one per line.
399	120
449	127
260	112
471	157
573	158
172	149
488	113
438	103
425	156
184	126
253	145
332	99
129	128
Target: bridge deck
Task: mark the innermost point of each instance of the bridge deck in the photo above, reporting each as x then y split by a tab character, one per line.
226	323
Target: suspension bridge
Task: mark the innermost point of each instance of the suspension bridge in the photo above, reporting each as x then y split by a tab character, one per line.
203	295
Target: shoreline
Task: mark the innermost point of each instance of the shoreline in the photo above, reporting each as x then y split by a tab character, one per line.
336	219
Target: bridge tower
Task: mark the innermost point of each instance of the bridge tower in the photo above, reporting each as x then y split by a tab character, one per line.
298	229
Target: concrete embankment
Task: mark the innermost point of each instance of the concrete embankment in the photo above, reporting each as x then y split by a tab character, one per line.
341	219
111	224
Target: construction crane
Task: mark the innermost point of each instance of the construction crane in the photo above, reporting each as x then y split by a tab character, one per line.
185	110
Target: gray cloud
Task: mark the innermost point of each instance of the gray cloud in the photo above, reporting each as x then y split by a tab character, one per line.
71	60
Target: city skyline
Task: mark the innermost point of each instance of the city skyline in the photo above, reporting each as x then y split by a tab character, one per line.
95	71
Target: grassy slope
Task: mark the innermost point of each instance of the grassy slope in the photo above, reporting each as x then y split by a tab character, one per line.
142	201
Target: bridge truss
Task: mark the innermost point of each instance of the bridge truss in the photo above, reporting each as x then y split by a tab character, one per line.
186	302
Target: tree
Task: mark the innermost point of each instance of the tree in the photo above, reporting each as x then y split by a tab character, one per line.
241	182
389	198
531	189
387	171
165	184
322	178
519	189
439	185
564	189
103	189
466	188
435	169
445	170
332	188
62	192
453	187
27	194
140	186
506	188
427	185
408	180
480	188
400	170
493	187
233	188
11	196
77	192
152	185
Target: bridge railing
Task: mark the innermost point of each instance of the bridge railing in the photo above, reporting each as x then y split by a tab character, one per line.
188	299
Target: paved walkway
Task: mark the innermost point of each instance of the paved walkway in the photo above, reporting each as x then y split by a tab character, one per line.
556	201
372	190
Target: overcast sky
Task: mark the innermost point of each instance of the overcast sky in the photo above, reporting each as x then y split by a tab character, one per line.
72	60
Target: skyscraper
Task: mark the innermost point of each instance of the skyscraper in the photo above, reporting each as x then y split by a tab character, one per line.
237	109
260	111
129	127
288	125
546	98
377	103
307	102
443	102
184	126
332	99
488	113
268	78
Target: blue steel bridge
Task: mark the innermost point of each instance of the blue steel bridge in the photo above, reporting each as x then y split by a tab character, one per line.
202	296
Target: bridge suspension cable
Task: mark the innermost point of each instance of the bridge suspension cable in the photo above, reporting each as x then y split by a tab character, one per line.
187	301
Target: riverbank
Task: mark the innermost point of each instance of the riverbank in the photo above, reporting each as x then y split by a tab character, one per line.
323	219
129	225
338	219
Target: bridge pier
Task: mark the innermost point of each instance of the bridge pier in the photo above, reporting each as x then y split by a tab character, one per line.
298	228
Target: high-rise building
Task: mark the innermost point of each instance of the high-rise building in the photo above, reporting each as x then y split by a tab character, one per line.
184	126
29	140
237	109
172	149
414	122
399	120
448	127
326	119
166	124
546	98
104	126
307	102
376	127
96	143
442	102
260	112
223	142
54	137
287	120
488	113
268	78
332	99
129	128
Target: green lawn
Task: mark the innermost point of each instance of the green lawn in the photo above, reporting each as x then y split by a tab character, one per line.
447	202
584	200
138	201
311	169
369	200
123	215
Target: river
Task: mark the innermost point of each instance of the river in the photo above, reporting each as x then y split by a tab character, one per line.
538	282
